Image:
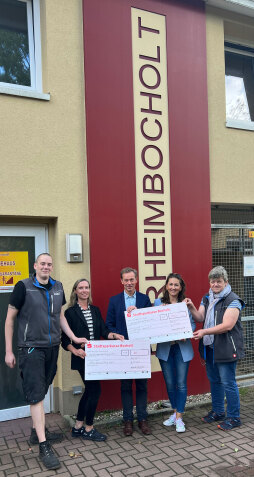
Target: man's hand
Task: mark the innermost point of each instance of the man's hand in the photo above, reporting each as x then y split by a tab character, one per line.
131	308
119	337
10	359
115	336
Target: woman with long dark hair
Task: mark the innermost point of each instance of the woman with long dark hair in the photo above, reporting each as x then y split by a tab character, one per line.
85	320
175	356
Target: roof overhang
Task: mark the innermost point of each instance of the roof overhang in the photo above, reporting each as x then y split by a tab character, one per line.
244	7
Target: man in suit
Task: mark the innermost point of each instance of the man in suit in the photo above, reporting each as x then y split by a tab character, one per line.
129	300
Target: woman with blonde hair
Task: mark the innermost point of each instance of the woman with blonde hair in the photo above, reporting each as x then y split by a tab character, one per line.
85	320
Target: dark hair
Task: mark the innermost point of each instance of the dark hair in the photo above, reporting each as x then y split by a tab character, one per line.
73	297
165	297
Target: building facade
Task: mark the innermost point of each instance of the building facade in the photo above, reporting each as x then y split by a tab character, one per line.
130	123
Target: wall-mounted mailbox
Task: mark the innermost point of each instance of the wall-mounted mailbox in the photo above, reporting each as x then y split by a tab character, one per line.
74	251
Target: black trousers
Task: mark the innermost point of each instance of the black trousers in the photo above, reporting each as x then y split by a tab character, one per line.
89	400
38	368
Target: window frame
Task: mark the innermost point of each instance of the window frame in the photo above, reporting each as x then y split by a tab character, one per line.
244	50
34	42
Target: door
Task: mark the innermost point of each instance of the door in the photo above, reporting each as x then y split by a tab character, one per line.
15	239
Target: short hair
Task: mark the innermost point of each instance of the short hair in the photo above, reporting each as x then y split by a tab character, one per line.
218	272
45	253
128	270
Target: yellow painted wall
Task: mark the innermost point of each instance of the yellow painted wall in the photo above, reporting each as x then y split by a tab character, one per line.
43	149
43	144
231	150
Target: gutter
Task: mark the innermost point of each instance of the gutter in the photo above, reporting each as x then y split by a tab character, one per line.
243	7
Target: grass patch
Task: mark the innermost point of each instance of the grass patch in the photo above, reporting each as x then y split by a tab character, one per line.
244	391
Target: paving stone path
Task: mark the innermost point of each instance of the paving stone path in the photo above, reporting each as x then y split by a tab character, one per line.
201	450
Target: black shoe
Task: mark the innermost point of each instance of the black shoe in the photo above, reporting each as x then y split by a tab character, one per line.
50	436
47	456
92	435
77	432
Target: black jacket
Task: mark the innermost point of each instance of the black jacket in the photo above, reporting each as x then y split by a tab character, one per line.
78	325
228	346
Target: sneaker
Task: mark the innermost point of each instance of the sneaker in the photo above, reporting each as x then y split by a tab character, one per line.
230	423
180	427
171	421
212	416
92	435
47	456
50	436
77	432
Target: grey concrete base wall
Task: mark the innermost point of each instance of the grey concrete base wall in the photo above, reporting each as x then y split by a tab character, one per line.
65	402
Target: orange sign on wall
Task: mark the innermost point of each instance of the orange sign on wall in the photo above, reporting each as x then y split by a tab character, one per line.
14	266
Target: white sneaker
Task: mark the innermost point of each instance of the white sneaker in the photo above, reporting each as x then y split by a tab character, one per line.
180	427
171	421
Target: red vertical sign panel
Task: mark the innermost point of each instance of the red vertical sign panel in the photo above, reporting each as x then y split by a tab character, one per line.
111	157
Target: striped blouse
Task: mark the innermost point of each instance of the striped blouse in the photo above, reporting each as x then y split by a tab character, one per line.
89	320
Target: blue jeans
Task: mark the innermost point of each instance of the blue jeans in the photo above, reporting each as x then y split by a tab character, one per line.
127	399
222	381
175	372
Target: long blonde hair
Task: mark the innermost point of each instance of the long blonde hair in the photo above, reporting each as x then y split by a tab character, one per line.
73	295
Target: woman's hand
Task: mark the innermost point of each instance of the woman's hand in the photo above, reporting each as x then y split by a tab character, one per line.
115	336
198	315
79	340
197	335
79	352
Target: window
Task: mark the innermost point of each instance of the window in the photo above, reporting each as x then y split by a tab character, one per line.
239	69
20	47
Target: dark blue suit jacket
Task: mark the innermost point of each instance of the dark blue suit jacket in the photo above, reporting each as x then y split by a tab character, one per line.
115	320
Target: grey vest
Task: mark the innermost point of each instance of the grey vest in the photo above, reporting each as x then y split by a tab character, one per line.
39	317
228	346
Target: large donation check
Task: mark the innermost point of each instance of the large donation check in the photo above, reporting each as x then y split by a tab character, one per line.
159	323
117	359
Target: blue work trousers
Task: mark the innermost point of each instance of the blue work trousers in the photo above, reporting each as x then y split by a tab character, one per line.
223	382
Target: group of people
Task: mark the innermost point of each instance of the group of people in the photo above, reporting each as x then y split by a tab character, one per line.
38	304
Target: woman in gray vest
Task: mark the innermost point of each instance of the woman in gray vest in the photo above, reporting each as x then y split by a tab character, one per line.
221	345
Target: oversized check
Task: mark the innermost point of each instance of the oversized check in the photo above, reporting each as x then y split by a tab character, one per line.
159	323
117	359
